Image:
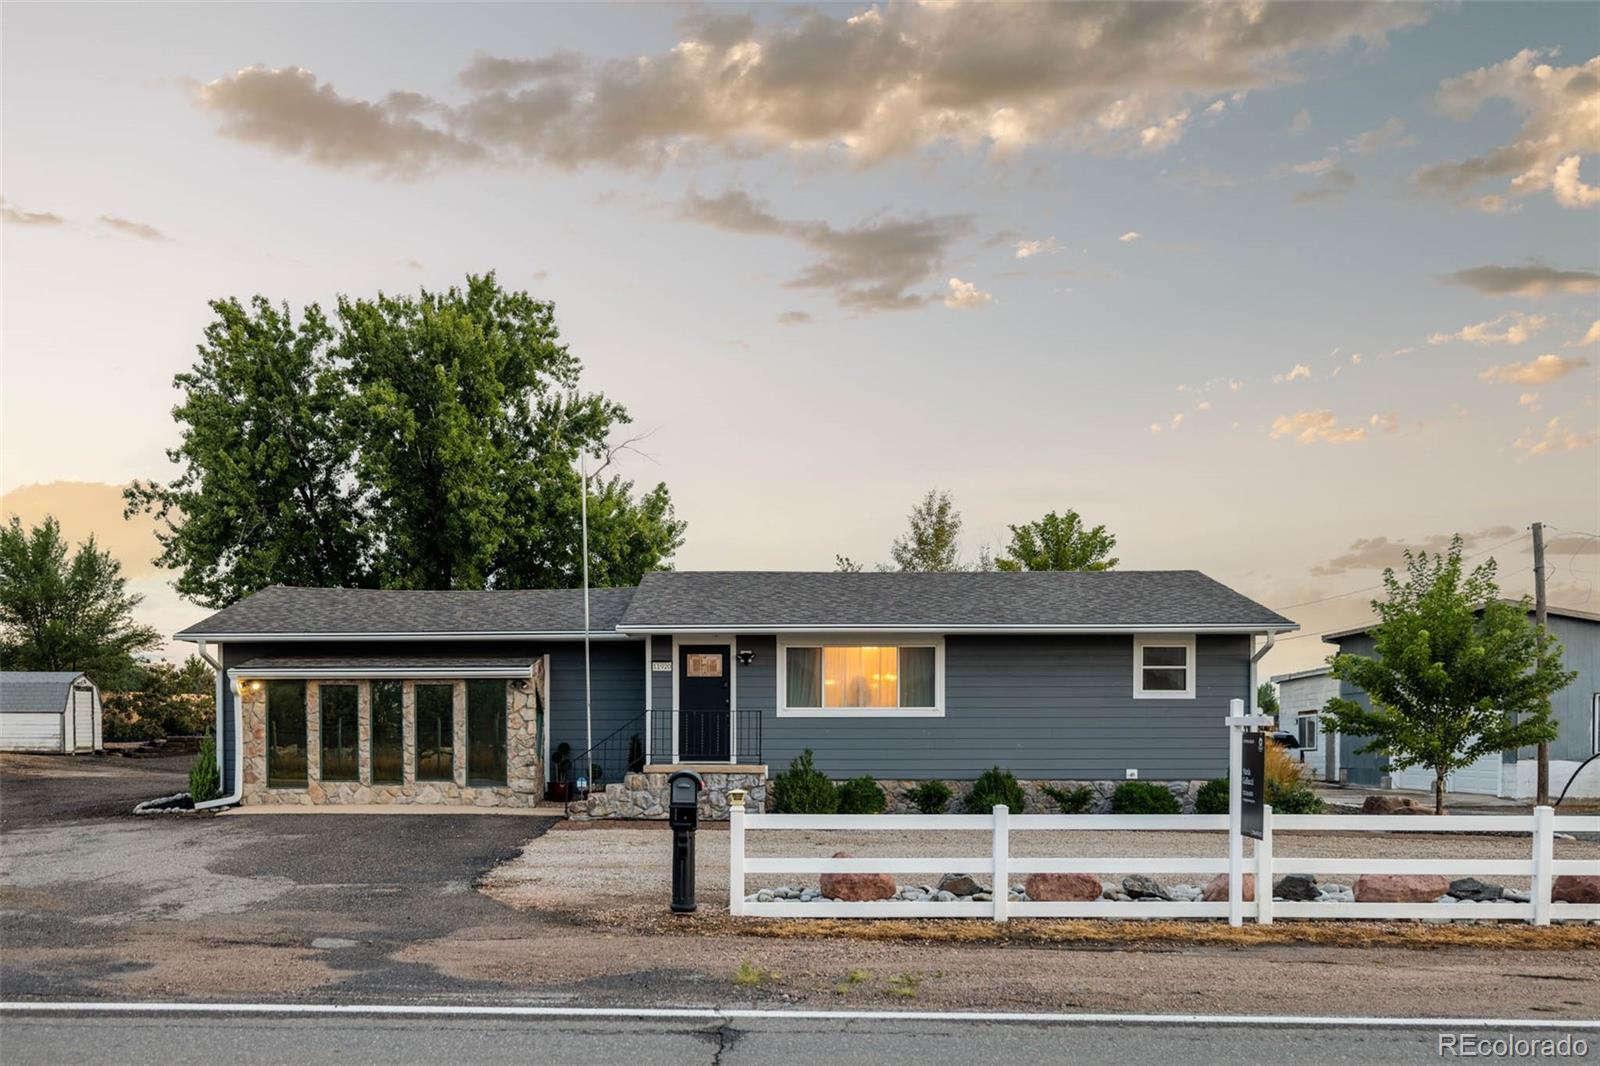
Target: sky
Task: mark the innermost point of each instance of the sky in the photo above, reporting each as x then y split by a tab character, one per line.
1272	291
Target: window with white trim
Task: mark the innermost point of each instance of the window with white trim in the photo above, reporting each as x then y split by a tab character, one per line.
840	679
1308	731
1163	668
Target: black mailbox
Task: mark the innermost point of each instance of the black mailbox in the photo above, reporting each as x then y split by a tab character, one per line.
683	814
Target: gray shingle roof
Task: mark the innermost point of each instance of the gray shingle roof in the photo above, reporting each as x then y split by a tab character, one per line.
378	612
1116	599
35	690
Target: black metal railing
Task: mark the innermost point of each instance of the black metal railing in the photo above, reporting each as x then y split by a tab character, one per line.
618	753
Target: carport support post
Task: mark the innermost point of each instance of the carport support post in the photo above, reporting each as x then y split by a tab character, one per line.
1000	852
1235	815
736	851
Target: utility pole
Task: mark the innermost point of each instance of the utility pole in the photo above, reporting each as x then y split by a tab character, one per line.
1539	615
588	694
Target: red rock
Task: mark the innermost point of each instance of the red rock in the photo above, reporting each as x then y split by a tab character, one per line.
1400	888
856	888
1576	888
1057	888
1216	890
1388	805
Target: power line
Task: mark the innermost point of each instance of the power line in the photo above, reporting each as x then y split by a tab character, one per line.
1371	588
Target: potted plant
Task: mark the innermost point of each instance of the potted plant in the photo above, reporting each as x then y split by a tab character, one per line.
560	788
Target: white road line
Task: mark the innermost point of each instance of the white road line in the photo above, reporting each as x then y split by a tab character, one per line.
717	1014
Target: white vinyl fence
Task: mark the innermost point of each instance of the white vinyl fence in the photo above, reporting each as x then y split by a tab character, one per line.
1541	865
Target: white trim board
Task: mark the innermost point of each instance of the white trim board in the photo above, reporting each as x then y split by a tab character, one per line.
260	638
1046	630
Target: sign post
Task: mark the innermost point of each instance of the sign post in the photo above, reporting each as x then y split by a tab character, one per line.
1237	721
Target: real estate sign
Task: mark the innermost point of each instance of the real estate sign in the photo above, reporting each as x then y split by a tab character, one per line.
1252	784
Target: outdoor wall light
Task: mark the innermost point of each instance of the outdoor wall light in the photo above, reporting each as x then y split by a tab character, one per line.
746	658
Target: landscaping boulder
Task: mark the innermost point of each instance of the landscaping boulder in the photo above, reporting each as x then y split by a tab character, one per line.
1576	888
1475	891
1296	888
1400	888
1387	804
1216	890
1058	888
960	885
1138	886
857	888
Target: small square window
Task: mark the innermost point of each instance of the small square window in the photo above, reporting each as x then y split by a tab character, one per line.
1163	668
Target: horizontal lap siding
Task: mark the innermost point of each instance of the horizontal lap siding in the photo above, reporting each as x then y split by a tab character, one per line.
1041	707
617	672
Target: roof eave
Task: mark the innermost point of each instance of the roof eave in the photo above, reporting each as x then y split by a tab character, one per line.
965	629
193	637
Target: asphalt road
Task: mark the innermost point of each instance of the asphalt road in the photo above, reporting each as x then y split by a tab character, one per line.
313	1041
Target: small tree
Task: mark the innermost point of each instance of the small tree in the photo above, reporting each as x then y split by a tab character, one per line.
1457	672
1267	699
204	781
932	542
1059	542
803	789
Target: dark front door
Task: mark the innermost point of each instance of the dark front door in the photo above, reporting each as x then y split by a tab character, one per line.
705	686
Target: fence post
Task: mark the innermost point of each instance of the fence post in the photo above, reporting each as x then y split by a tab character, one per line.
1264	868
1544	855
736	851
1000	852
1235	836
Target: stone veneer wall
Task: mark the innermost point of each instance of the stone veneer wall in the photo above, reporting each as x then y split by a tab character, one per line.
644	796
524	773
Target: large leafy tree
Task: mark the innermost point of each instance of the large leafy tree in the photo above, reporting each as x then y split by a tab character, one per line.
932	541
414	442
1059	542
1457	671
66	612
265	493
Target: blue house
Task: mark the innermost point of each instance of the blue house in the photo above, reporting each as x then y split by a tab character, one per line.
377	696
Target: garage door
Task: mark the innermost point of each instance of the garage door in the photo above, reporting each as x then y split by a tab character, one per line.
1480	777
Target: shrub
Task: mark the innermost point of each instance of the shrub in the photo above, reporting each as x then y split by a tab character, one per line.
204	781
861	795
1070	800
1212	797
803	789
1143	797
1296	800
995	786
931	797
1282	771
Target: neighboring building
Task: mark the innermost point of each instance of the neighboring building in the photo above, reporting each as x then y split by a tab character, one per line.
338	695
56	711
1514	774
1301	697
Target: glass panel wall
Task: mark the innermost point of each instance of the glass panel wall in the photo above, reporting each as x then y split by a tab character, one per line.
339	717
388	733
435	734
286	734
486	733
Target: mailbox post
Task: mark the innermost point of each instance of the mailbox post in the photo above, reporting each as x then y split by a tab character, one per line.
683	814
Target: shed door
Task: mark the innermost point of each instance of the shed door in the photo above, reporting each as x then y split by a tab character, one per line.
82	719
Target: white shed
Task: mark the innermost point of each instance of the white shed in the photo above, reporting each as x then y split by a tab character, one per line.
57	711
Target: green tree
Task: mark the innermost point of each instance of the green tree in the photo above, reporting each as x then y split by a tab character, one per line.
932	542
265	494
61	613
415	442
845	565
1457	672
1267	699
1059	542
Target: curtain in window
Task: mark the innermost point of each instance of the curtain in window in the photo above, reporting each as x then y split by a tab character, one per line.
861	676
804	677
916	677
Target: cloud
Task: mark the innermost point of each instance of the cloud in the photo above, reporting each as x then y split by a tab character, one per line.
1392	134
1380	553
1538	371
1531	280
1590	336
1155	427
1029	249
965	296
1300	125
1388	422
794	318
1572	545
871	266
15	216
1518	328
1308	427
1556	437
133	229
1215	108
1331	185
412	264
877	83
1296	373
1131	236
86	508
1560	110
1530	400
1203	405
1177	420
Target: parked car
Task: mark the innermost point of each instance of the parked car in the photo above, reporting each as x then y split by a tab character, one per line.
1285	739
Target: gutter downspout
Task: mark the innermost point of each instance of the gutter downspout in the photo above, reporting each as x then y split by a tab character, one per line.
1255	658
233	797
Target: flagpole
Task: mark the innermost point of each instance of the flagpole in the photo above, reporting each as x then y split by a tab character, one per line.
588	699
